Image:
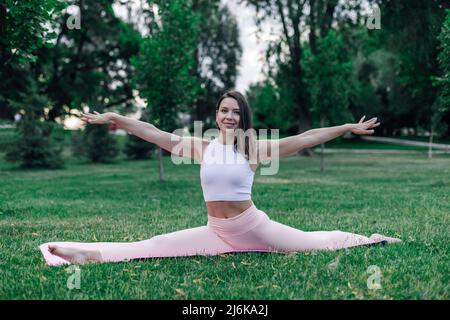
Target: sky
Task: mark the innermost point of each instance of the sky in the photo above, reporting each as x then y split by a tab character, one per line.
253	49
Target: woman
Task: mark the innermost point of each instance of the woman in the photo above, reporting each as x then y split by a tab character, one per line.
234	222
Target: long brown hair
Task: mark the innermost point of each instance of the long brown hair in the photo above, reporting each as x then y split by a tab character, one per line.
245	129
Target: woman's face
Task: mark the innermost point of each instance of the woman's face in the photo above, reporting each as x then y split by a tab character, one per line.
227	116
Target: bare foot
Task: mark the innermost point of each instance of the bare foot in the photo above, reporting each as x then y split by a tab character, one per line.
77	256
378	237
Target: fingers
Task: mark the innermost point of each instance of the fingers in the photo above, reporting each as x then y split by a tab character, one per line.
89	117
371	120
374	119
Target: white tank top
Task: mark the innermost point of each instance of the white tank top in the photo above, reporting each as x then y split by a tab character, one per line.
225	174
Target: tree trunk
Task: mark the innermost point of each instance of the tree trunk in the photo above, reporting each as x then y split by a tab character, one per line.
430	149
304	121
3	55
322	148
161	168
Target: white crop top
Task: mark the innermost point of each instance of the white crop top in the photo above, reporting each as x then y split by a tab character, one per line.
225	174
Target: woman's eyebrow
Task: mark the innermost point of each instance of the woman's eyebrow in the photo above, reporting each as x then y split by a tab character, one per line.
227	108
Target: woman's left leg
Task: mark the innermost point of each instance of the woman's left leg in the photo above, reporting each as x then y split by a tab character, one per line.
280	237
269	235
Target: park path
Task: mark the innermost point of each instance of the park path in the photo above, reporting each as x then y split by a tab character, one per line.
377	151
440	146
443	148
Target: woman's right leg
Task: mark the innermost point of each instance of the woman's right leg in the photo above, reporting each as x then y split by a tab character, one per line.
188	242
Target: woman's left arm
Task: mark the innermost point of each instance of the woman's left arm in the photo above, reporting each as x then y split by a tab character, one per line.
293	144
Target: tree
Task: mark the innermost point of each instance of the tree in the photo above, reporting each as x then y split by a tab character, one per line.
409	32
217	56
294	20
36	145
90	64
442	82
137	148
327	72
269	107
90	67
20	43
164	64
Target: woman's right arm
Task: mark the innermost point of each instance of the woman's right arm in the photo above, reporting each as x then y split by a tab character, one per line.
185	146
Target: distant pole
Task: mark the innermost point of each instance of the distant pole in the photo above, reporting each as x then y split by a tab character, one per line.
322	148
430	149
161	169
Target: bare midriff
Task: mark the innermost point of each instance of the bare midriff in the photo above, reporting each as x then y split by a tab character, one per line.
227	209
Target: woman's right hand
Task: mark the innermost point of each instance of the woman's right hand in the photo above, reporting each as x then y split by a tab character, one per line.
97	118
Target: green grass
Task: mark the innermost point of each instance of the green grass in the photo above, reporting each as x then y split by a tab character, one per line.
405	196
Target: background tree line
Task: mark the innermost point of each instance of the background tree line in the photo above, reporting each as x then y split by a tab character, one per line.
325	68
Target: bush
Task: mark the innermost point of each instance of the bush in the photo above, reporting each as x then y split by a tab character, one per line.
6	136
77	144
36	144
96	144
137	148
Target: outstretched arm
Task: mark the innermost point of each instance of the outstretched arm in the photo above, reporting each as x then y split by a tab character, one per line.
291	145
141	129
185	146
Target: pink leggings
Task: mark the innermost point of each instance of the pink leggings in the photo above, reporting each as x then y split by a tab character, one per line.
251	230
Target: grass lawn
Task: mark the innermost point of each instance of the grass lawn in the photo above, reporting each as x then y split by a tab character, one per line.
406	196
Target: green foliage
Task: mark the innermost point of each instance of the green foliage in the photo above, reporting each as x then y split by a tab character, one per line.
137	148
270	109
217	56
77	144
90	65
99	145
443	82
409	31
327	73
6	136
164	64
26	29
37	144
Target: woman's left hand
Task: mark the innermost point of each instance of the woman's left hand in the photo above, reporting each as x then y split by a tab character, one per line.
366	127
